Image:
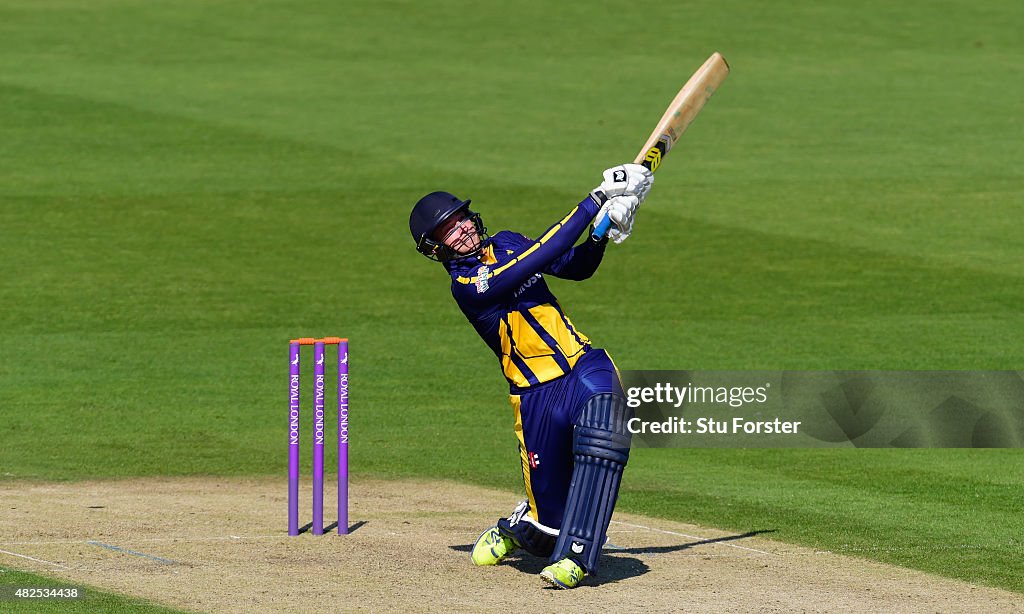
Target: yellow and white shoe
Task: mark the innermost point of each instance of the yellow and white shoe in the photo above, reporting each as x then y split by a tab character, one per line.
563	574
491	547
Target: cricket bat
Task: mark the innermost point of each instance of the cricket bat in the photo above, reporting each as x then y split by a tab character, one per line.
684	107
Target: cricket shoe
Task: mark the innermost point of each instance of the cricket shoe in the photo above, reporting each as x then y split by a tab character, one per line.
491	547
563	574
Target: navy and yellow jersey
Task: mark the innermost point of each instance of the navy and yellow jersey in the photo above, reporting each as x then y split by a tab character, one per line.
503	294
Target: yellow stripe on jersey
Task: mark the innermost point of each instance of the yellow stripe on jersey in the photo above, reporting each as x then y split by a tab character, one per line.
530	250
508	367
524	454
551	320
519	337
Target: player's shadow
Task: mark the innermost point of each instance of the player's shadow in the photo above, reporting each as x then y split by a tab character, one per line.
306	528
678	547
614	565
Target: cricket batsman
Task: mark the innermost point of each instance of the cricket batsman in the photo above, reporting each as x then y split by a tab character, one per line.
570	412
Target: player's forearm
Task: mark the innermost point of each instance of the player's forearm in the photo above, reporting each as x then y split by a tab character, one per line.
580	262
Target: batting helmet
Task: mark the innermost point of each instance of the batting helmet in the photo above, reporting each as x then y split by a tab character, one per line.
429	214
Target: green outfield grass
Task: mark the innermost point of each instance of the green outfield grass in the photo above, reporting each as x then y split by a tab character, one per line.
185	186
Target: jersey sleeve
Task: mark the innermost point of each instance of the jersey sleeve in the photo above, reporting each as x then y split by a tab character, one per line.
484	284
579	262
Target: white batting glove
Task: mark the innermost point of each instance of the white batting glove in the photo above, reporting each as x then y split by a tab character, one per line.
627	179
621	210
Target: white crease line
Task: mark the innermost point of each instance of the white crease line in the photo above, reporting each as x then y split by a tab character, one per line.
720	543
25	556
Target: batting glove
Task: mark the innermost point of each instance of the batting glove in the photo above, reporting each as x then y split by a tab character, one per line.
627	179
621	210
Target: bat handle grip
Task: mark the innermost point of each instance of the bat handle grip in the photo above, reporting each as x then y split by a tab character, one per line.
601	230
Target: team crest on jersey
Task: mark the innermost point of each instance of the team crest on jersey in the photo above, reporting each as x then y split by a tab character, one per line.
482	277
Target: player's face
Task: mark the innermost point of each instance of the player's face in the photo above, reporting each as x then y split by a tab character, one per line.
459	233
